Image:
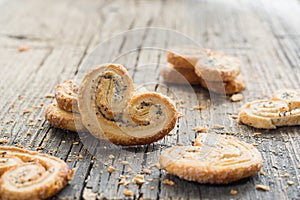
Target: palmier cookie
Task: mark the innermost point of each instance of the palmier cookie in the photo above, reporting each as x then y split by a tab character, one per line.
66	96
31	175
185	56
269	114
291	96
179	75
111	111
60	118
218	67
229	87
223	160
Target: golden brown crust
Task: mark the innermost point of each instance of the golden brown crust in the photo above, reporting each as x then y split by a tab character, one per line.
179	75
218	67
269	114
229	87
66	96
185	56
144	118
214	159
32	176
62	119
291	96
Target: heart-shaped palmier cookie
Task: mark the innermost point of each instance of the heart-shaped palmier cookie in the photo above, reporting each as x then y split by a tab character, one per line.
215	159
111	110
269	114
30	175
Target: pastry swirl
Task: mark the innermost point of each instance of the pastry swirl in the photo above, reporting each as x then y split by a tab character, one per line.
223	160
66	96
31	175
269	114
110	109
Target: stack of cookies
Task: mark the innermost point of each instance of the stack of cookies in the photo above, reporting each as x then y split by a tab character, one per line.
214	71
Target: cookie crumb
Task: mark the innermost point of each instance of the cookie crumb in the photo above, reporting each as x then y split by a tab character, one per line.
127	192
125	162
218	127
3	141
123	180
234	116
200	129
299	166
236	97
261	172
199	107
290	182
168	182
256	134
49	95
111	169
111	156
139	179
179	115
233	192
146	171
262	187
286	175
23	48
27	111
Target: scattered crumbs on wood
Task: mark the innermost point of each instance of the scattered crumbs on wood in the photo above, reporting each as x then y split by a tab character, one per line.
234	116
12	106
79	157
262	187
199	107
152	188
111	169
200	129
20	97
254	144
262	172
111	156
75	143
23	48
40	148
139	179
168	182
3	141
256	134
146	171
31	124
286	175
218	126
69	160
124	162
27	111
237	97
290	182
129	170
233	192
299	166
49	95
148	153
229	132
123	180
127	192
36	107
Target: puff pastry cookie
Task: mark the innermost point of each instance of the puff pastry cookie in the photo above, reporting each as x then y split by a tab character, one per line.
31	175
218	67
269	114
110	110
215	159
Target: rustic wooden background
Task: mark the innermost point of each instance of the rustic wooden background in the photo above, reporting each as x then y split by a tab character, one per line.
60	35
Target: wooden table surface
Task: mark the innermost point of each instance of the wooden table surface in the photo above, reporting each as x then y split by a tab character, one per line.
60	36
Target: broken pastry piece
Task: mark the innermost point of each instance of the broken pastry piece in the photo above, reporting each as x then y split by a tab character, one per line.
66	96
31	175
111	111
215	159
269	114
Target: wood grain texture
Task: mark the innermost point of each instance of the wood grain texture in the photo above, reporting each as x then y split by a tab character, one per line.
60	35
